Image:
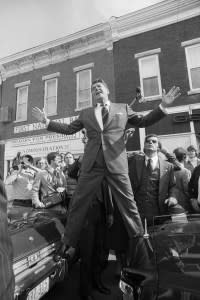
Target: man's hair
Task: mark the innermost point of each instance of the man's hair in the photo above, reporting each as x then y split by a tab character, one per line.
153	135
192	148
29	157
101	81
180	153
69	154
51	156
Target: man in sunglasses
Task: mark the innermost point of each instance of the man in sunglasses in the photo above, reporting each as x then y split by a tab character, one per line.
152	179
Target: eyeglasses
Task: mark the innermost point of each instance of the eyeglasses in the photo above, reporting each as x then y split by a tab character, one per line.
69	157
151	141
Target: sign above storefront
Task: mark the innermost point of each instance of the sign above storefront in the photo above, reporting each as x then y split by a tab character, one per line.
40	126
41	145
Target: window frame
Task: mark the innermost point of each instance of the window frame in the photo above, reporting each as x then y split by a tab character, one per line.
46	80
145	55
19	86
78	70
140	60
187	47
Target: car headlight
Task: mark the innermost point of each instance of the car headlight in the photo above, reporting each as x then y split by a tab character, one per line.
125	288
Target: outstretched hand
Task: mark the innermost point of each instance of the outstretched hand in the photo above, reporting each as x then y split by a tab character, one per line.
168	99
39	114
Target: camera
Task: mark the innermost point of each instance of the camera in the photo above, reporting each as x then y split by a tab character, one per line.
17	161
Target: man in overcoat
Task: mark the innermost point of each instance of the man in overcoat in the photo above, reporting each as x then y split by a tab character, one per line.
105	155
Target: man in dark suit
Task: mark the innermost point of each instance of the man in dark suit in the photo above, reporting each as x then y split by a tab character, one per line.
7	283
153	180
105	155
193	189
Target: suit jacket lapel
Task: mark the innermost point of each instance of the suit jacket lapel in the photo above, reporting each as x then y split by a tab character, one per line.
112	112
162	171
140	161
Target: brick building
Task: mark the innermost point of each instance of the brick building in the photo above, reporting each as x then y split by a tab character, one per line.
57	76
155	48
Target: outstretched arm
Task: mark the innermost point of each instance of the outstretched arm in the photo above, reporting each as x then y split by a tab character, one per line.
40	115
155	115
54	126
168	99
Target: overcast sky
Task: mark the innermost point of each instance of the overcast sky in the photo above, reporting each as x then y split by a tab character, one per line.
28	23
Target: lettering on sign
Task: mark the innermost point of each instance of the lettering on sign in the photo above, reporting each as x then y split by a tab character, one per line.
45	149
47	138
40	126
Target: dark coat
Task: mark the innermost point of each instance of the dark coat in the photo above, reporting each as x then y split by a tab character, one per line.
193	183
166	183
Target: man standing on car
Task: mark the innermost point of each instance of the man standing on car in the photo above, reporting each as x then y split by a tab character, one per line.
105	155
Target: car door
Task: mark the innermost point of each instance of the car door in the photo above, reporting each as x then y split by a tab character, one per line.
176	242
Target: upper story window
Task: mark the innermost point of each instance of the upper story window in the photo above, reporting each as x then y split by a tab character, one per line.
149	70
83	86
192	52
22	101
50	93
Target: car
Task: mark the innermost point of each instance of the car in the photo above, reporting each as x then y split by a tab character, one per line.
173	244
36	235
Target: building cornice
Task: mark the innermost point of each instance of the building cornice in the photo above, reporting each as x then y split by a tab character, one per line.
86	41
155	16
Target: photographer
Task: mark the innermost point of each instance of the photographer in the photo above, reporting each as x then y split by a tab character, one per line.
20	181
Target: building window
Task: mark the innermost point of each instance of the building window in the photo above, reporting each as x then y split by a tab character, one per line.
150	77
83	86
193	66
149	70
50	96
22	103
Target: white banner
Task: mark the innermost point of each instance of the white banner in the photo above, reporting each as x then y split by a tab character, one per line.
41	145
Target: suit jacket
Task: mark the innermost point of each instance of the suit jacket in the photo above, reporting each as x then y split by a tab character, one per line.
110	136
166	183
43	185
193	183
6	253
182	179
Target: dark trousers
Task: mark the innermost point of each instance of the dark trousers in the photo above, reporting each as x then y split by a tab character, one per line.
93	253
121	189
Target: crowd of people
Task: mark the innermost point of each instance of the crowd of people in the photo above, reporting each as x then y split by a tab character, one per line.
108	195
32	183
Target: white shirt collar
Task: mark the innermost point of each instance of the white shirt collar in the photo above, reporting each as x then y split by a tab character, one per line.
106	104
154	160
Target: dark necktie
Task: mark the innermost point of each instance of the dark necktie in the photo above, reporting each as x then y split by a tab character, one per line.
56	179
104	112
150	165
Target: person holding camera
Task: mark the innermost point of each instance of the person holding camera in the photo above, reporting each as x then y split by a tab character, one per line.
20	181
